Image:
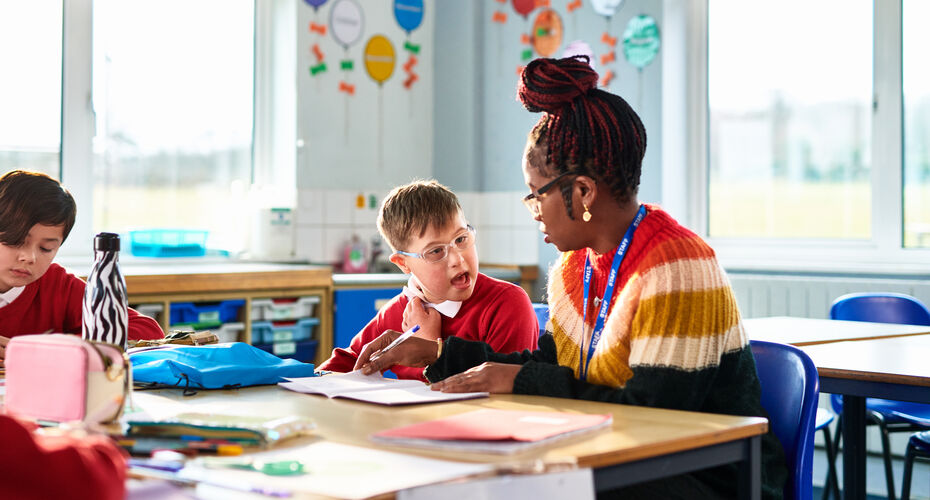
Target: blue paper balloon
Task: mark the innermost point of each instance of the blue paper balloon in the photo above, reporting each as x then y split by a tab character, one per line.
409	14
315	3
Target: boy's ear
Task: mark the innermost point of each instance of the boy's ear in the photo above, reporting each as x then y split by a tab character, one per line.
400	262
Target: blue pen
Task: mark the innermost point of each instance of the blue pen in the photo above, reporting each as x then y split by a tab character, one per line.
404	336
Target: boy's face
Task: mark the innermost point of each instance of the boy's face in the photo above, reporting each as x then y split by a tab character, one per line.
452	278
21	265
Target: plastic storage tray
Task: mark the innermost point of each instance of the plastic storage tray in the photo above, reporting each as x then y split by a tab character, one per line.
283	309
168	243
203	312
266	332
301	351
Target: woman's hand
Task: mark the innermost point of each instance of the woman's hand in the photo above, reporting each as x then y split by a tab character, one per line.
429	319
414	351
487	377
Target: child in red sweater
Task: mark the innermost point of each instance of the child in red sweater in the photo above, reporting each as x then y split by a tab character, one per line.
446	295
37	296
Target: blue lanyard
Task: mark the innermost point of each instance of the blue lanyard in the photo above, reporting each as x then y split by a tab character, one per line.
608	294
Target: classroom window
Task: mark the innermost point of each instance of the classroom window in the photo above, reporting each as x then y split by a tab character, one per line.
790	98
173	104
30	90
916	83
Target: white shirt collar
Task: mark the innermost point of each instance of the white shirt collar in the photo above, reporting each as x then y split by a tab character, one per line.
448	308
10	295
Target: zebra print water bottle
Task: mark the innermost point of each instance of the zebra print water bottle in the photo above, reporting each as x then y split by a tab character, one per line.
105	312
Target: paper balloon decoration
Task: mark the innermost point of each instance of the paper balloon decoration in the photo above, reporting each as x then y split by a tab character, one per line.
409	14
315	3
379	58
547	33
346	22
641	41
606	7
524	7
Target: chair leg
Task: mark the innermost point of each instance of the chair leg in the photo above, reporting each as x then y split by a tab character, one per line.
831	483
908	467
886	452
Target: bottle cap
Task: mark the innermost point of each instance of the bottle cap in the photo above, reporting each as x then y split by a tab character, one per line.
106	242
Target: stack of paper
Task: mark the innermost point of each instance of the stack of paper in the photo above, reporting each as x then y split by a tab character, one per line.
373	389
493	431
245	430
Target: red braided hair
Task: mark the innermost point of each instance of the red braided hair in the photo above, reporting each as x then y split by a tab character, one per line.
586	130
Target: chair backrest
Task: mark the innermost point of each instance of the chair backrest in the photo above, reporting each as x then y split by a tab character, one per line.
542	315
790	389
882	307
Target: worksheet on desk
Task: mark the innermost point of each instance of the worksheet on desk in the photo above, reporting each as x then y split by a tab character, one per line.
343	471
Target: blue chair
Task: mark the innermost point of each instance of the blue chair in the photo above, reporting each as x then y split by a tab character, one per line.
890	416
917	446
790	388
822	424
542	315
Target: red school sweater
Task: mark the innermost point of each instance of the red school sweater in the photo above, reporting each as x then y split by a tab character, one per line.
37	467
498	313
52	304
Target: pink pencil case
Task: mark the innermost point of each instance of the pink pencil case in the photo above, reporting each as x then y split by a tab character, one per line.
63	378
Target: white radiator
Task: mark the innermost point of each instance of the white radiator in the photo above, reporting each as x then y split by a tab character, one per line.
760	295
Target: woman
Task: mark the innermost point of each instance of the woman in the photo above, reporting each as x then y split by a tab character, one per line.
640	311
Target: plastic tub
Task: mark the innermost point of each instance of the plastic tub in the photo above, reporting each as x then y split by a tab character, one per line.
283	309
168	243
203	312
267	332
301	351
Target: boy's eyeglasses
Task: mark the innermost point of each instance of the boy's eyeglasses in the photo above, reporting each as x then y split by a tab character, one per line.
532	200
437	253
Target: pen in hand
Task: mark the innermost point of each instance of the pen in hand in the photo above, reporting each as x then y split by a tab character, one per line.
404	336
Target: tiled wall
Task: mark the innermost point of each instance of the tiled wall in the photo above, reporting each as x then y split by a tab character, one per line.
328	219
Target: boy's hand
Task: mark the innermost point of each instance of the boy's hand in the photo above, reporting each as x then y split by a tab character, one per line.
3	342
414	351
487	377
429	319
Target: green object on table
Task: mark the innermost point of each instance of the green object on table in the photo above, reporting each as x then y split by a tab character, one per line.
347	64
527	54
272	468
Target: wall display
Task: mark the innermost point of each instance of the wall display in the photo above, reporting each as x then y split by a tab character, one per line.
347	22
379	63
641	41
318	63
606	8
409	15
640	46
316	4
547	31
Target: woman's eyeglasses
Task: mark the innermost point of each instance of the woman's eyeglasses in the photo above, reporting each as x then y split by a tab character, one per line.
532	200
437	253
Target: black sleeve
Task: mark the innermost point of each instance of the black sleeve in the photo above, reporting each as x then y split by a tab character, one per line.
459	355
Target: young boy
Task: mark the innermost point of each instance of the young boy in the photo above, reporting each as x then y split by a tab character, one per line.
446	295
37	296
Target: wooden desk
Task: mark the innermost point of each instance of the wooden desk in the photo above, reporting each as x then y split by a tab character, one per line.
643	443
808	331
888	368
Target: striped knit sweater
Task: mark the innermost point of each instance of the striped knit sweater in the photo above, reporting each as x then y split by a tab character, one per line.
672	339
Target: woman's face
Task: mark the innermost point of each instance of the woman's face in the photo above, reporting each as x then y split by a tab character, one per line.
550	210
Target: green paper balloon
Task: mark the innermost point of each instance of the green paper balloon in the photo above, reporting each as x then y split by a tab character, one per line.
641	41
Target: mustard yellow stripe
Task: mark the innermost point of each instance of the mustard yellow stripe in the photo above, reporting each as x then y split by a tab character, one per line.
686	314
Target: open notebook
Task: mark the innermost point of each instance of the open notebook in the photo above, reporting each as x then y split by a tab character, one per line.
373	389
493	431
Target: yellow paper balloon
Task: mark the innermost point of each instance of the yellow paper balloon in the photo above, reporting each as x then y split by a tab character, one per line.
379	58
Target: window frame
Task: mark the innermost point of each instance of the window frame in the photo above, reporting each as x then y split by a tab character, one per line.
883	253
273	149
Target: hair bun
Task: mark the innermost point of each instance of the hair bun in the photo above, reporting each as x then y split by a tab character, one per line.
551	84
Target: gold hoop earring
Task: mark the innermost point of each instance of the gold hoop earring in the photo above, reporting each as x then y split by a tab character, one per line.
586	216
